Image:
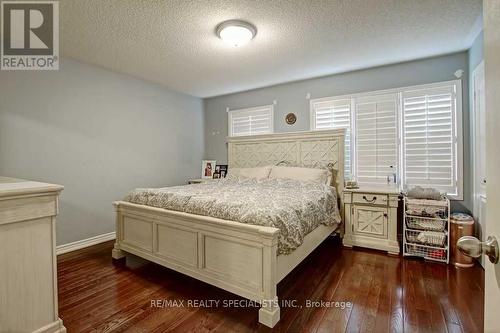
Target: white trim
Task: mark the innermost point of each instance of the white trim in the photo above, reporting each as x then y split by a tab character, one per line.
472	102
459	146
353	138
379	92
255	108
73	246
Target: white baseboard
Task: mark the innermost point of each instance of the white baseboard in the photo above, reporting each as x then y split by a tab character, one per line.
65	248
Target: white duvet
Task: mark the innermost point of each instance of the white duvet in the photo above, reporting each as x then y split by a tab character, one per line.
295	207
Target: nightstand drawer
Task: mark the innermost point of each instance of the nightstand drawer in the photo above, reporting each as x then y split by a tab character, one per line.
370	199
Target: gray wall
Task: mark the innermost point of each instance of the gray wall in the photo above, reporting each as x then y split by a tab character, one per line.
291	97
476	52
99	134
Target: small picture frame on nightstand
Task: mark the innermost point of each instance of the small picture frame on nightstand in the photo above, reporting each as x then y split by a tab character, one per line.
207	169
220	171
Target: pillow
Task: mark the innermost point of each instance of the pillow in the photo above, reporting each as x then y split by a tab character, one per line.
257	173
306	174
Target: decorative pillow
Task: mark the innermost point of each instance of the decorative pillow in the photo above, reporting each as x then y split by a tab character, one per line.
306	174
256	173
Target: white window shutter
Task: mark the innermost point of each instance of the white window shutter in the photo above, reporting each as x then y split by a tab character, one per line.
332	114
252	121
429	147
376	147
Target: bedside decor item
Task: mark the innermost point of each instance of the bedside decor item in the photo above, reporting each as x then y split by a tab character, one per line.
220	171
392	176
207	168
291	118
351	184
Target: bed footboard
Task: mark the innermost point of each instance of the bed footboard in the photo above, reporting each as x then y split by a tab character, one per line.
236	257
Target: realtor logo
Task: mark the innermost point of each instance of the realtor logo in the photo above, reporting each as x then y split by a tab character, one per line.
30	35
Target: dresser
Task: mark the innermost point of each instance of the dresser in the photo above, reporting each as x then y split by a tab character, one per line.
28	270
370	216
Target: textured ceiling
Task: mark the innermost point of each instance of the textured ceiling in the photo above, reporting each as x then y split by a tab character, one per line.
173	42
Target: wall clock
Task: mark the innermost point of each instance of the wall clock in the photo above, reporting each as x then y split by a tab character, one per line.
291	118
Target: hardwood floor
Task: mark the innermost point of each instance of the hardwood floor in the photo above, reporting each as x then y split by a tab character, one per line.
388	294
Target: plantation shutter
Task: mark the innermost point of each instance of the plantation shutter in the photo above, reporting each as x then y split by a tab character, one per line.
258	120
429	138
335	114
376	138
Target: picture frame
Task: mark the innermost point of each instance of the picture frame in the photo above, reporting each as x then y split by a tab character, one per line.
207	169
220	171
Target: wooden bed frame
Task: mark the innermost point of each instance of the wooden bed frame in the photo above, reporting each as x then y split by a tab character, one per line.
237	257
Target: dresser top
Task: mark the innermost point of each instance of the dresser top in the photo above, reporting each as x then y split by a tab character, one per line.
384	189
14	187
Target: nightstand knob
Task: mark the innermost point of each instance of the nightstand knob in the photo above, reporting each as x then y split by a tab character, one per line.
385	215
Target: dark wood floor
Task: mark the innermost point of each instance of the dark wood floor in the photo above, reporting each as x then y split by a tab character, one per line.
388	294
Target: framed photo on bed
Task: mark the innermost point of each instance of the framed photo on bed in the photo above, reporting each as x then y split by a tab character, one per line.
207	168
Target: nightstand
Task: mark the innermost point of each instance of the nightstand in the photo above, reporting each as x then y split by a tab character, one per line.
370	217
200	180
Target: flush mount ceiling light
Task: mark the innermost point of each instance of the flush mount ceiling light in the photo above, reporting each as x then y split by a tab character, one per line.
236	32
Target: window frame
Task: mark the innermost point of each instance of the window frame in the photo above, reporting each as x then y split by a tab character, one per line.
231	113
312	122
458	133
398	137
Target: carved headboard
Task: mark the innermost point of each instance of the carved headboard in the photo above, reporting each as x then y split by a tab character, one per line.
314	149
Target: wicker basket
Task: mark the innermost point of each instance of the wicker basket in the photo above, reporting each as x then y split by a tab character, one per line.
427	252
431	238
427	208
425	223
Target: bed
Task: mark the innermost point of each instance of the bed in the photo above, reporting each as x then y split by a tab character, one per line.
222	250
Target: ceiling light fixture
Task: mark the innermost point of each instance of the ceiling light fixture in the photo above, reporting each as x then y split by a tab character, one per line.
236	32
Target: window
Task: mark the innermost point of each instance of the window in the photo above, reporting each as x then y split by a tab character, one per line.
334	113
376	146
251	121
430	138
413	130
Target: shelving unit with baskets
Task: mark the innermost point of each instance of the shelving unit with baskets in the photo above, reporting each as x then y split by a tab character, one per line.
426	229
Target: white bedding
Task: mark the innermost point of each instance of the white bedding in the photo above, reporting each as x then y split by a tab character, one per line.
295	207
